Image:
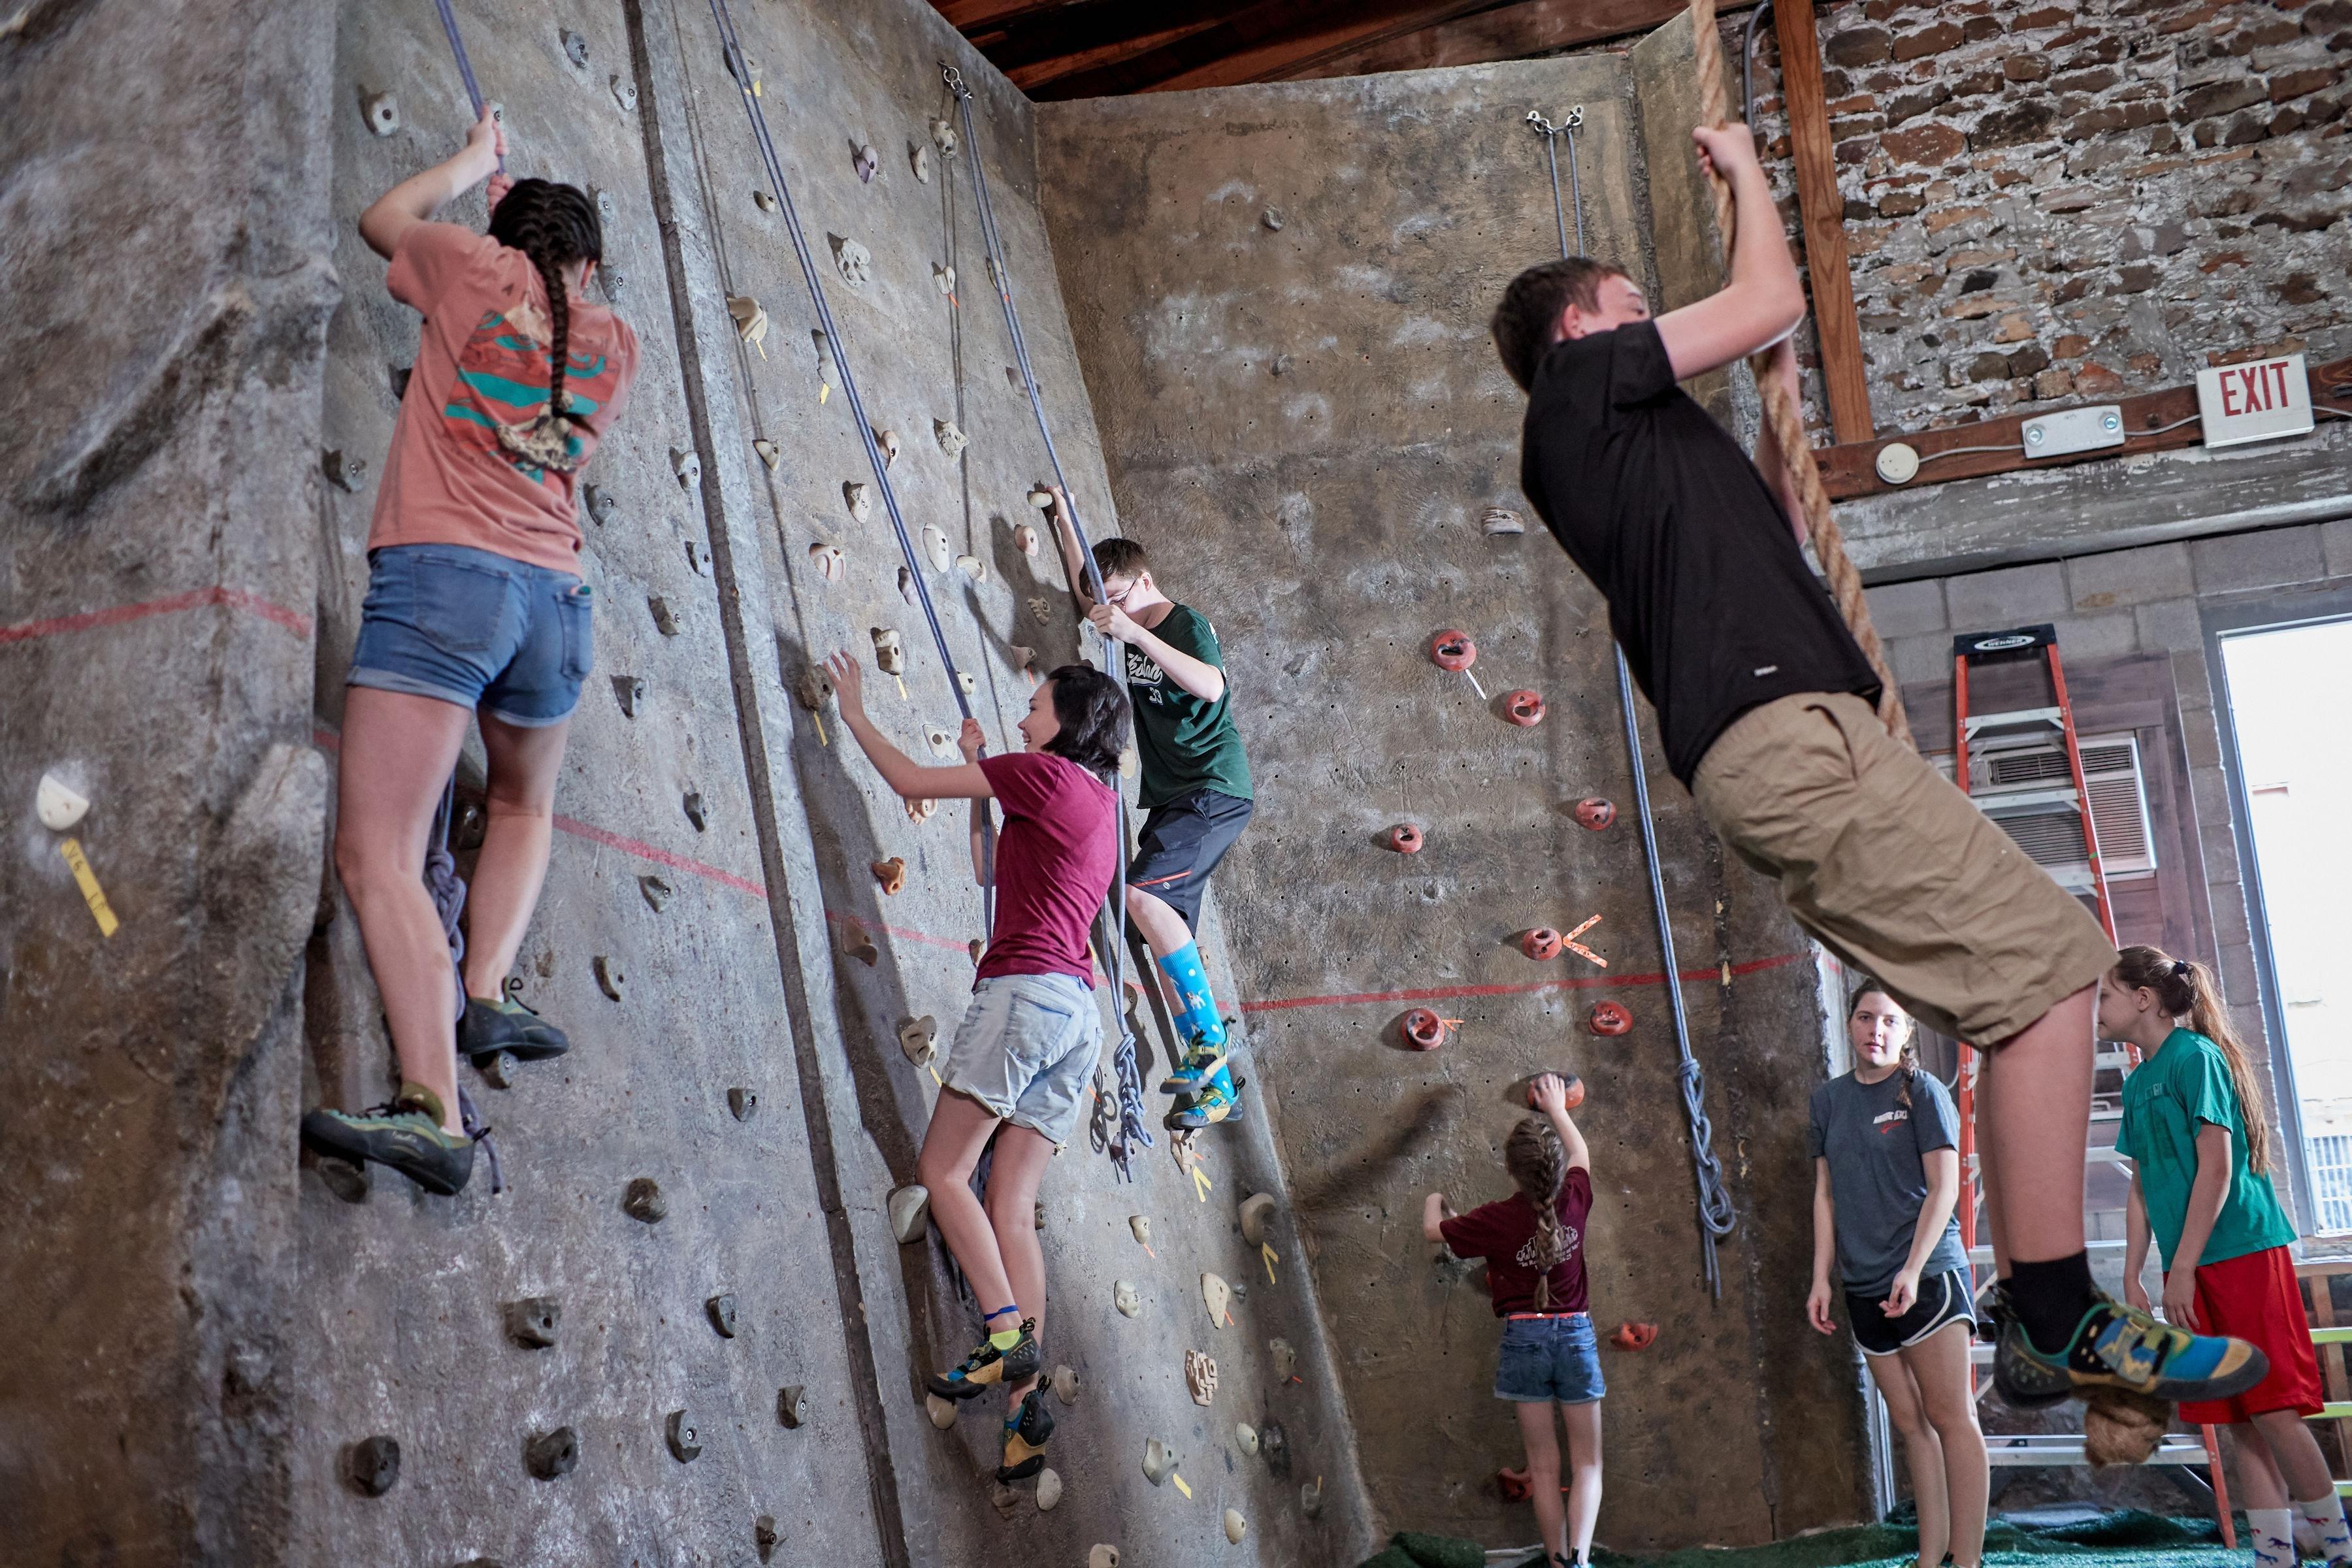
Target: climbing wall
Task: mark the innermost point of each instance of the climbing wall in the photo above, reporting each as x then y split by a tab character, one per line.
713	931
1282	295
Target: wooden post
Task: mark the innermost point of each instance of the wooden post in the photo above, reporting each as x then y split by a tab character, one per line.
1823	211
2331	1357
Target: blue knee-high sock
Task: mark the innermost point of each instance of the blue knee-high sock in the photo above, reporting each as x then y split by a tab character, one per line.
1196	1015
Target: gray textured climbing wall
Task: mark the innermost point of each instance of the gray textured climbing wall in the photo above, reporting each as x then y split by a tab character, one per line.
1282	294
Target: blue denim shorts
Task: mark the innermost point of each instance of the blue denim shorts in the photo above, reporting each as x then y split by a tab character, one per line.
480	630
1552	1359
1027	1048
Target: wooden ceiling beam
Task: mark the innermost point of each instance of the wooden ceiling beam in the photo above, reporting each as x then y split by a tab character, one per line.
1266	41
1046	41
1508	32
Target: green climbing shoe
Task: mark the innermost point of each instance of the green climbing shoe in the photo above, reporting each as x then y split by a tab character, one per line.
2116	1346
509	1024
1221	1102
989	1367
1025	1436
1201	1064
2024	1383
407	1135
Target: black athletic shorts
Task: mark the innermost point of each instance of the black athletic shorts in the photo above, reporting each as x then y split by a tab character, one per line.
1944	1298
1182	843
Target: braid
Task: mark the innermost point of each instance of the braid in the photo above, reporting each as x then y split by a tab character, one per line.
1537	1162
554	225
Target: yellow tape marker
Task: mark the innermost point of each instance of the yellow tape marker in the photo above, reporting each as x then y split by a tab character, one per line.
902	688
1272	1257
820	729
1201	1184
1181	1486
823	392
92	894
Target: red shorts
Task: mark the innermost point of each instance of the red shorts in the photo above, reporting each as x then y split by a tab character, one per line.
2256	1298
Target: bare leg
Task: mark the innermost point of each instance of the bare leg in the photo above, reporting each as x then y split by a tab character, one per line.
959	1131
1542	1440
1922	1454
1583	1424
2033	1132
2295	1455
1988	1172
397	751
512	866
1947	1390
1022	1155
1161	926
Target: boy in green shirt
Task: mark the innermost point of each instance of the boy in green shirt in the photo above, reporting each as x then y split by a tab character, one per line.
1195	792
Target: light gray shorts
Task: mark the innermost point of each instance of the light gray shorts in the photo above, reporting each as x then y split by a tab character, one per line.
1027	1048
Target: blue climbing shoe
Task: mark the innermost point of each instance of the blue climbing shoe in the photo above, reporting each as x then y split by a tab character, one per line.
406	1135
1200	1064
1221	1100
510	1024
2120	1347
989	1367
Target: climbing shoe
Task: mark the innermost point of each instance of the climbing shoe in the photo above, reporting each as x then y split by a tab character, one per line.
508	1025
407	1135
2023	1381
1025	1436
1200	1064
1220	1101
2116	1346
989	1367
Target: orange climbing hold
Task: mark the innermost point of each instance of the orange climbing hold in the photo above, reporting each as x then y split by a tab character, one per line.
1404	839
1609	1018
1595	813
1425	1030
1453	649
1571	1092
1634	1336
1542	943
1523	707
891	874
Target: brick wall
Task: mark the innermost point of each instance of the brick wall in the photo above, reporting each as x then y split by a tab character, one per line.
2050	202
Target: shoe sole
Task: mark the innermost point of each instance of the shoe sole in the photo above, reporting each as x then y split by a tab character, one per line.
520	1053
973	1388
1022	1471
330	1137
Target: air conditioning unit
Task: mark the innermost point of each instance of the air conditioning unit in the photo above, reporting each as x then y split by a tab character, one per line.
2023	784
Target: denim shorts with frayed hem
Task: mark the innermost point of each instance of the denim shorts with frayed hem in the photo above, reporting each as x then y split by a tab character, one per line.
480	630
1554	1358
1026	1049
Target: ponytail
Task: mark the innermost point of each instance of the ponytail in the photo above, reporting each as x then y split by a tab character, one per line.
1537	1162
554	225
2186	989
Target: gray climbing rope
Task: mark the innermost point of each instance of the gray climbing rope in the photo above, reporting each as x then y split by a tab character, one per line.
448	891
1133	1125
465	65
1714	1212
736	68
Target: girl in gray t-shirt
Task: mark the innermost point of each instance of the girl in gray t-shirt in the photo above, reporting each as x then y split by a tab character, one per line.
1886	1176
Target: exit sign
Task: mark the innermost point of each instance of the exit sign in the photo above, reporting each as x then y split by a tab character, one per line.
2258	401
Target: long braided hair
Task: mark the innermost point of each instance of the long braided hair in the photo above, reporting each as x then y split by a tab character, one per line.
2186	989
554	225
1537	1162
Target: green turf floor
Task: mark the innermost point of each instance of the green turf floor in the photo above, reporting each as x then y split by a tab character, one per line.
2123	1540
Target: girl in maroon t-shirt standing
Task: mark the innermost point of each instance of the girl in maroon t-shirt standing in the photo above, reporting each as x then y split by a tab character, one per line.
1533	1243
1027	1045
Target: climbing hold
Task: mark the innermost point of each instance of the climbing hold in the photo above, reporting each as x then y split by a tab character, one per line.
1285	1359
1201	1376
750	321
1123	1296
791	1404
1041	1213
852	261
1634	1336
1141	1225
1404	839
935	547
532	1321
827	560
907	586
1159	1460
918	812
665	618
609	978
857	498
692	803
743	1103
971	566
1542	943
1246	1438
940	739
721	1309
864	160
1523	707
943	277
1041	496
1049	1490
918	158
627	690
769	453
888	441
576	48
1595	813
548	1455
344	473
1501	521
1217	1296
686	466
814	688
1609	1018
919	1038
371	1464
910	1211
600	503
943	137
382	111
1024	538
951	440
744	68
605	206
58	808
1041	610
765	1535
1571	1091
1103	1557
942	1412
860	946
1452	649
764	200
1311	1497
615	281
888	655
891	874
625	93
684	1437
1065	1384
1273	219
697	556
1235	1526
1425	1030
1256	1212
828	369
1024	658
1275	1444
499	1069
643	1200
2121	1427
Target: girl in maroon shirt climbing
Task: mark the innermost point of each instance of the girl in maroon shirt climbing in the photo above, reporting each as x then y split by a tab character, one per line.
1533	1242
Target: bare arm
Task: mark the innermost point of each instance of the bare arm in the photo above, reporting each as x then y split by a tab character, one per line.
1943	1171
910	779
1763	301
972	742
1065	539
417	198
1197	675
1434	1208
1769	460
2206	1195
1817	1300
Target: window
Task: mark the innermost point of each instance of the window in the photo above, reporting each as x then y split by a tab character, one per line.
2331	1179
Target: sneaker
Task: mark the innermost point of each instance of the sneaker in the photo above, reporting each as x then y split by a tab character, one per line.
407	1135
509	1024
989	1367
1220	1101
1025	1436
1200	1064
2116	1346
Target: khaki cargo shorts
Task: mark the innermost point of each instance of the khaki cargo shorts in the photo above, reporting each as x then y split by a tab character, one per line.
1894	870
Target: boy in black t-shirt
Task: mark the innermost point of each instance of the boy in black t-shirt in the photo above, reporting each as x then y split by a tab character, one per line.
1195	791
1765	707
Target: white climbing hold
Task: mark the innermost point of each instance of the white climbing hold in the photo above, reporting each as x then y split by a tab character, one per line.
1024	538
852	261
764	200
951	440
910	1211
1311	1497
1065	1384
686	466
1158	1461
857	497
888	441
918	158
941	739
1501	521
943	137
907	586
59	806
943	277
971	566
1012	381
1123	1296
866	161
1041	496
1049	1490
1246	1438
1141	1225
768	453
942	1411
1042	612
828	368
889	654
1201	1376
1130	763
1235	1526
750	321
1285	1359
1103	1557
625	93
919	1038
828	560
1274	219
814	689
1256	1211
935	546
918	812
964	681
383	113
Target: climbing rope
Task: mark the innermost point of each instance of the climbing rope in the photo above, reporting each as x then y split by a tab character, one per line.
448	891
1133	1125
736	66
1786	419
465	66
1714	1212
